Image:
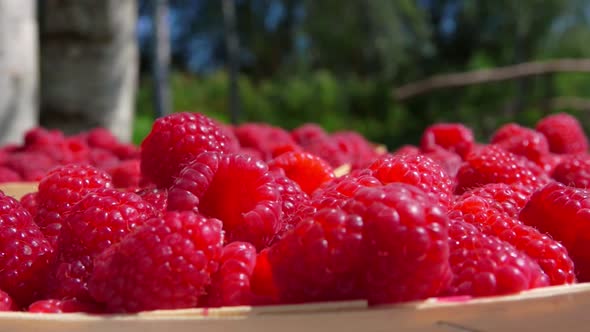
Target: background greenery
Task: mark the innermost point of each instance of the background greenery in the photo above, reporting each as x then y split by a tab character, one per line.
336	62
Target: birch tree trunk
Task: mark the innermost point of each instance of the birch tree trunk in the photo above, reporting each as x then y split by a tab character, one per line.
89	65
18	69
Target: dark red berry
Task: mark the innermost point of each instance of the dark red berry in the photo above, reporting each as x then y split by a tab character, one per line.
6	302
564	133
574	171
522	141
453	137
54	306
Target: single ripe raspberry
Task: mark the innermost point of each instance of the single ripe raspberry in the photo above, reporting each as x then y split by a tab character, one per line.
54	306
453	137
292	197
101	138
564	133
175	140
53	144
522	141
262	284
25	254
407	149
449	161
157	197
60	190
230	285
417	170
573	170
551	255
262	137
102	159
484	265
126	174
101	219
307	133
6	302
237	189
329	150
356	147
31	166
321	259
8	175
563	213
406	249
29	202
492	164
284	148
505	198
308	170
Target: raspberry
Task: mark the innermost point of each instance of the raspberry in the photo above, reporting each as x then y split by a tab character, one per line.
164	264
101	219
53	306
284	148
175	140
157	197
101	138
127	151
55	145
449	161
102	159
30	166
483	265
359	151
564	133
291	197
522	141
237	189
416	170
25	254
307	133
321	259
406	243
453	137
573	170
407	149
29	202
308	170
126	174
504	198
262	283
60	190
6	302
8	175
231	283
562	212
262	137
551	256
492	164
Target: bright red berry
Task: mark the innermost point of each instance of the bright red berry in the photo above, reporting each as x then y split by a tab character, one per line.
292	197
237	189
31	166
308	170
6	302
165	264
8	175
174	141
505	198
157	197
522	141
262	285
54	306
262	137
453	137
25	253
29	202
492	164
307	133
564	213
564	133
126	174
449	161
484	265
574	171
230	285
417	170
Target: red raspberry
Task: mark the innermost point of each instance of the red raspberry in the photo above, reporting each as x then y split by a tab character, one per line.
505	198
328	150
284	148
551	256
562	212
29	202
449	161
102	159
56	146
25	254
262	137
231	283
522	141
53	306
483	265
321	259
406	243
60	190
127	151
157	197
31	166
262	285
101	219
307	133
175	140
6	302
164	264
417	170
574	170
492	164
101	138
8	175
126	174
564	133
292	197
407	149
237	189
308	170
453	137
359	151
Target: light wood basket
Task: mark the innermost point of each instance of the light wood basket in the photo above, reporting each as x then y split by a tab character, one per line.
558	308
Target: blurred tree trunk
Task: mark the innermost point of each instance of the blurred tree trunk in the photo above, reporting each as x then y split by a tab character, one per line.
18	69
89	64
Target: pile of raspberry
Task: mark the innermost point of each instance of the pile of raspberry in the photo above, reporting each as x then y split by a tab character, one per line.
255	215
